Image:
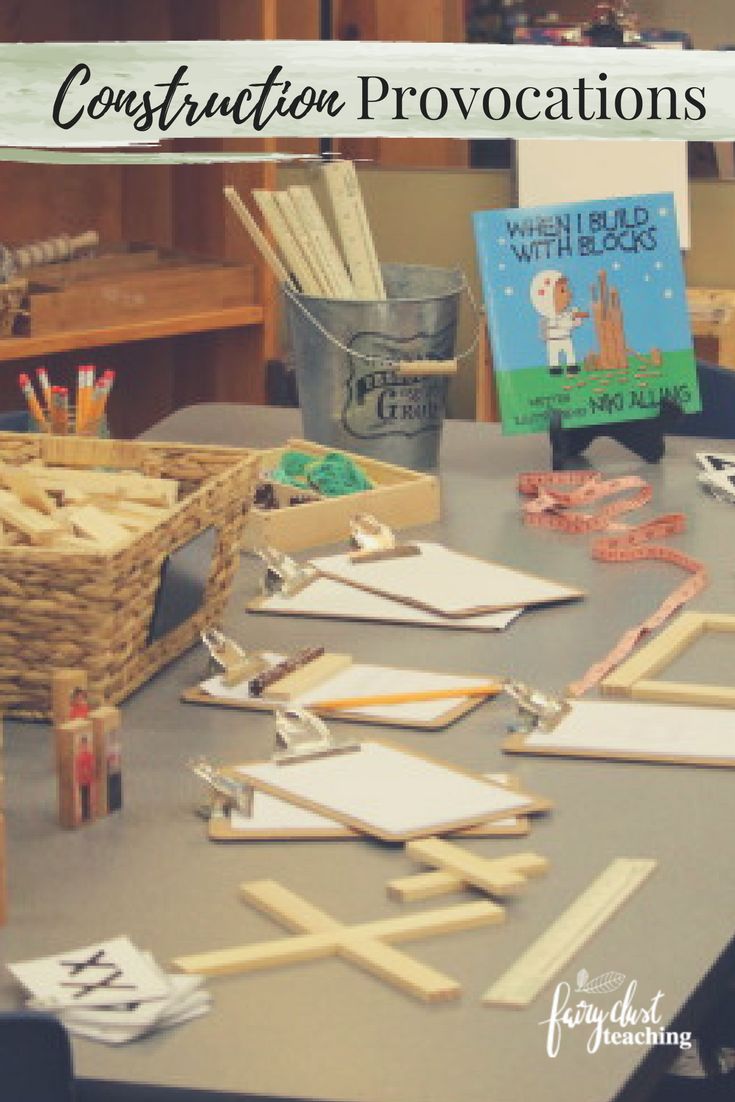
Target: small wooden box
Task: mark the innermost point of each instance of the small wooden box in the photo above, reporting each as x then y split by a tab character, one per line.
129	285
401	498
712	315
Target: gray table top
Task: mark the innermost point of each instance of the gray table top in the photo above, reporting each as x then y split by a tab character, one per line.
324	1030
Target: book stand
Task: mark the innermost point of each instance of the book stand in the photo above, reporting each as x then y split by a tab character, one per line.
643	438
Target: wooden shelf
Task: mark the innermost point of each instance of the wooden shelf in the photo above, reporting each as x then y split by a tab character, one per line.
234	317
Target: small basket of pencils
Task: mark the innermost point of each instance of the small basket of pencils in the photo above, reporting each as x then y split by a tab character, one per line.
55	414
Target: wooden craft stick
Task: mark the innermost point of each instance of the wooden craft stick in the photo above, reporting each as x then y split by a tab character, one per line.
317	935
347	703
457	868
292	218
287	243
322	241
258	237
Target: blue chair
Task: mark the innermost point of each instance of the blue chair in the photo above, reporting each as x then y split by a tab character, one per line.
717	416
35	1059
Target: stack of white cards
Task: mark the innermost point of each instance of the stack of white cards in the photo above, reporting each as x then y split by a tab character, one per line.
717	475
111	991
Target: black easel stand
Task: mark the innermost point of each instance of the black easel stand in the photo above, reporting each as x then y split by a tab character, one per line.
643	438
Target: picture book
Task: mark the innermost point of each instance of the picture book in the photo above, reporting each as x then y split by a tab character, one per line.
587	311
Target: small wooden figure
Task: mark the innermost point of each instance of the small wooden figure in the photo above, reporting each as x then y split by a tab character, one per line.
68	697
106	722
77	773
68	692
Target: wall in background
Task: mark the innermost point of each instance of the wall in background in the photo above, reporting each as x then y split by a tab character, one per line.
423	216
710	23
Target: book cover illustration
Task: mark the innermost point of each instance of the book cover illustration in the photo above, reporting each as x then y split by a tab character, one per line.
587	311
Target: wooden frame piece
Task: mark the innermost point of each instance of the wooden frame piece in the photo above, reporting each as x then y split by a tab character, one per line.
455	868
636	679
367	945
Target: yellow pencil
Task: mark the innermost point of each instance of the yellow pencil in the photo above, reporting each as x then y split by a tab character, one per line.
346	704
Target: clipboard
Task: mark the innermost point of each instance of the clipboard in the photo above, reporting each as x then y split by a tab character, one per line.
358	679
330	600
617	730
276	820
388	792
468	586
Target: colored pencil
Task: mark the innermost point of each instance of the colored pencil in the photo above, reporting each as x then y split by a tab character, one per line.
346	704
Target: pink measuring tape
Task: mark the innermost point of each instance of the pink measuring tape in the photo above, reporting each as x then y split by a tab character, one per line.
559	509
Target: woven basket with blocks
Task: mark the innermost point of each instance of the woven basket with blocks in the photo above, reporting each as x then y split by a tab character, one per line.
87	526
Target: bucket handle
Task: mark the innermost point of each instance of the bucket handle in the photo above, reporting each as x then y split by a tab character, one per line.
402	367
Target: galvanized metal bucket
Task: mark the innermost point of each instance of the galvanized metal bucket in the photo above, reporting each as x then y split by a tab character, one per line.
345	354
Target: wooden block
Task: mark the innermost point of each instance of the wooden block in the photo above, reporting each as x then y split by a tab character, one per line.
77	774
459	868
25	488
128	485
39	529
106	721
92	522
63	684
308	677
139	509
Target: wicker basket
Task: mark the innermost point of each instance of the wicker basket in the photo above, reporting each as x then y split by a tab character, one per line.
93	610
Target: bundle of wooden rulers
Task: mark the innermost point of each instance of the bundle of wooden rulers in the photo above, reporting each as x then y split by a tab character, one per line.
306	257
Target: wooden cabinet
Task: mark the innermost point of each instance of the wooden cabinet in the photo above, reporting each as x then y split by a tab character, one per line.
215	355
391	21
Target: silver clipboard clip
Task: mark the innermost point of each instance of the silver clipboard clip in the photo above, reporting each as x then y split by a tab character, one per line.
537	708
227	793
227	657
302	736
282	573
371	541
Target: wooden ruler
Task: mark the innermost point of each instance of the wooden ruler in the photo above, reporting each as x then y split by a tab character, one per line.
590	911
321	241
354	230
259	240
290	248
295	224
